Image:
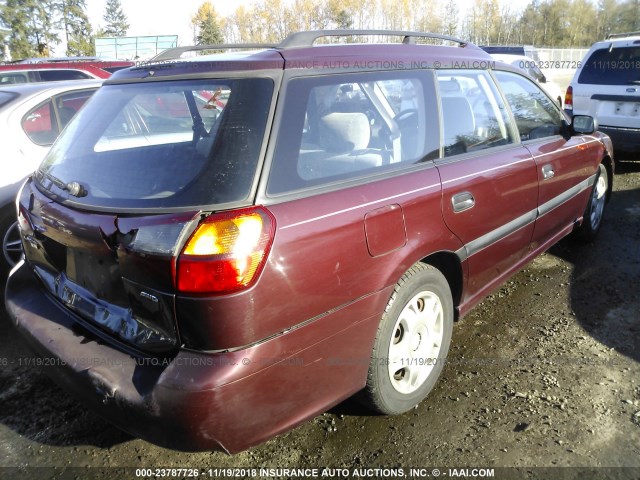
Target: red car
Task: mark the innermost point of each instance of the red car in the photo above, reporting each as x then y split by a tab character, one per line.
207	281
52	71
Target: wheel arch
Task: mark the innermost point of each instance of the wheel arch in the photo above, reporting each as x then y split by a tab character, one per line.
448	263
607	161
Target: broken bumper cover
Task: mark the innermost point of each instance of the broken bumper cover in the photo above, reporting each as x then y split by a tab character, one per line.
193	401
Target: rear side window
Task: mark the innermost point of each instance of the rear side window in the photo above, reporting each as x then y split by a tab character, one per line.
473	114
58	75
68	104
618	66
536	115
341	127
163	144
44	123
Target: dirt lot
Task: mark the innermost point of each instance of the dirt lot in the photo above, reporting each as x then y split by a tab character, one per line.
544	373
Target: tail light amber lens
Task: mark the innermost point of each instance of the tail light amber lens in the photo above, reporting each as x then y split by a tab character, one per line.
226	252
568	98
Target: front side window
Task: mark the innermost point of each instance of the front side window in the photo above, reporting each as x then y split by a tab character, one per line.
341	127
473	114
536	115
163	144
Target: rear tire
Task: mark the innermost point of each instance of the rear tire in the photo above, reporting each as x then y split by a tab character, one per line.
412	342
594	213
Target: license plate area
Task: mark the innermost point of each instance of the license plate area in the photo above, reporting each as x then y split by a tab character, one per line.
627	109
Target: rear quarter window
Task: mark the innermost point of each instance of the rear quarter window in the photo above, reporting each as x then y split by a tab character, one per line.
40	124
342	127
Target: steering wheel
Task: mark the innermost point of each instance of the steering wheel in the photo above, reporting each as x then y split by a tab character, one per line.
405	115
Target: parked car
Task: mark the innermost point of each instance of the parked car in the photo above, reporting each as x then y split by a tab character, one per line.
57	70
528	51
607	87
531	67
208	277
31	117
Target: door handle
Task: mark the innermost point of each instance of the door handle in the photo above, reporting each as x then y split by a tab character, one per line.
547	171
462	201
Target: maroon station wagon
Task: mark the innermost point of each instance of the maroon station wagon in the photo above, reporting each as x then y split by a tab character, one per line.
220	247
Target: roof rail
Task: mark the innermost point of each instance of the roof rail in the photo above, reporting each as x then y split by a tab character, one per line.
175	52
622	35
306	39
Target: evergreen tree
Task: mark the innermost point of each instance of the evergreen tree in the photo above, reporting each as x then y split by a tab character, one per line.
117	25
45	26
206	23
77	28
16	15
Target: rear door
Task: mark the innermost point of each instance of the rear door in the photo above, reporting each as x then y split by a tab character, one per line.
489	181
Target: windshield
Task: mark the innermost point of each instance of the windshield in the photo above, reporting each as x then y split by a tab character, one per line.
618	66
162	145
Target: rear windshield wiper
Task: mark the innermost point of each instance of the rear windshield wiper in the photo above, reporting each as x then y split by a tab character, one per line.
74	188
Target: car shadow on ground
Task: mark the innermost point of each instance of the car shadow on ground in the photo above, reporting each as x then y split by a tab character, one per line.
606	275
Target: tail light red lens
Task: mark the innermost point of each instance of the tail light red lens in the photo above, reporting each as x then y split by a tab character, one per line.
568	98
226	252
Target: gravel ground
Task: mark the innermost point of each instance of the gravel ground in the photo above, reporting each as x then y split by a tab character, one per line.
543	374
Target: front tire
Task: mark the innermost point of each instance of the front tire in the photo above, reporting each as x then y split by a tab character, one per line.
412	342
594	213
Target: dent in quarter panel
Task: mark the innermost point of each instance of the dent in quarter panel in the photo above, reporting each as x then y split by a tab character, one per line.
385	230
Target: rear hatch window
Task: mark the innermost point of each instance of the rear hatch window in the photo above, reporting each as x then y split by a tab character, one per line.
618	66
156	145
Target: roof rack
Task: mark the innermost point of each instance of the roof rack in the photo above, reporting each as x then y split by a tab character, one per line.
306	39
622	35
176	52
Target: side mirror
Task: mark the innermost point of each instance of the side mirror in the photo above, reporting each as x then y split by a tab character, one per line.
584	124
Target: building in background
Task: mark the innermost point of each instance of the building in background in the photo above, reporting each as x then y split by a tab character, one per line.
134	48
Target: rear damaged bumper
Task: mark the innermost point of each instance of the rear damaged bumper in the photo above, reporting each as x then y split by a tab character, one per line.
199	401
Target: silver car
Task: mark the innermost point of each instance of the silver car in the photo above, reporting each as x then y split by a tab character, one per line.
31	118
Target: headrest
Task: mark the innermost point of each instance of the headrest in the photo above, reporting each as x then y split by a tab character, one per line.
344	132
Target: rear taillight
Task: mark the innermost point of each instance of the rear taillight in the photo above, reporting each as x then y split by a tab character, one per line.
568	98
226	252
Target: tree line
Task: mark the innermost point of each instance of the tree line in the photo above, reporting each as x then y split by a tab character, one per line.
37	25
544	23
